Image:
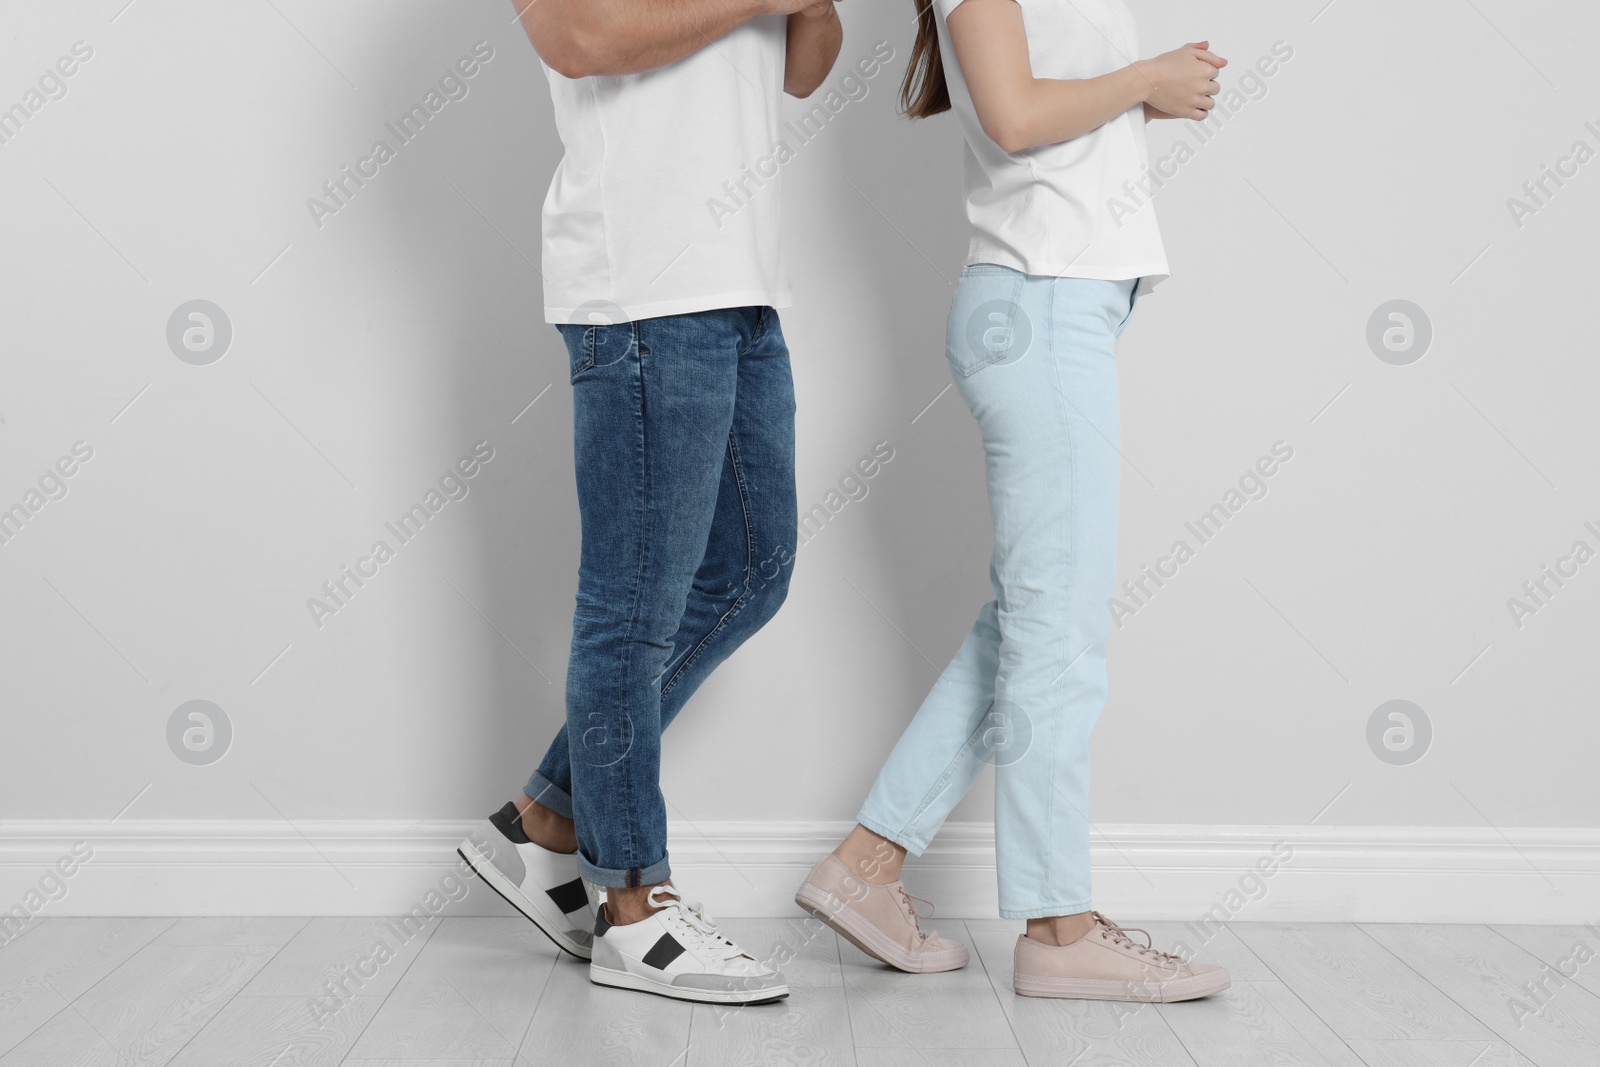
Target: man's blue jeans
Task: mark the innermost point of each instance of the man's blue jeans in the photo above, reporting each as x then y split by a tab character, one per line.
684	439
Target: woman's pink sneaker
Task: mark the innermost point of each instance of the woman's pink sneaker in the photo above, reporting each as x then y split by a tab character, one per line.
1107	964
879	919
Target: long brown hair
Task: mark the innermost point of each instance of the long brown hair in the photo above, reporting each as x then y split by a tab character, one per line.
924	92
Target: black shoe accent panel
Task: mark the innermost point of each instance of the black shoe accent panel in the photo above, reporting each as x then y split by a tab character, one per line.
569	897
663	952
509	822
600	924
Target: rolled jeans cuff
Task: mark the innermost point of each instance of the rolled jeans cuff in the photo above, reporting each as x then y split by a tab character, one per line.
549	794
914	845
629	878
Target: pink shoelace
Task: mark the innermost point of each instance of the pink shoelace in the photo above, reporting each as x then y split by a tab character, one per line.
1119	934
911	909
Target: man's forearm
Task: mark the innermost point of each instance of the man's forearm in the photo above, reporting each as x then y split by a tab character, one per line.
578	38
814	41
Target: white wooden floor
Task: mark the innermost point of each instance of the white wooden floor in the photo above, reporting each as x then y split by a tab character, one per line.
492	992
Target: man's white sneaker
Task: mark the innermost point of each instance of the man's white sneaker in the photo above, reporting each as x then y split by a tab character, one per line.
679	952
543	885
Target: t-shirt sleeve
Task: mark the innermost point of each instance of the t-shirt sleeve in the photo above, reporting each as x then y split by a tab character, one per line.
944	7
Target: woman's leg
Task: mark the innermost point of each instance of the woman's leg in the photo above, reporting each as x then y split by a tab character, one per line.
1051	429
994	328
1035	360
937	758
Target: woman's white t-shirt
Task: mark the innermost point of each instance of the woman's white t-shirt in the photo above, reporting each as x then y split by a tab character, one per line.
1080	208
666	201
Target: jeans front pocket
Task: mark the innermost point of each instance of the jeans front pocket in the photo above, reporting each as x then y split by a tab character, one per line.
596	346
1133	302
988	323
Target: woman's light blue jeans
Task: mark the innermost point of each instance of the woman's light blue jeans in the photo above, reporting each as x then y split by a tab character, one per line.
1035	359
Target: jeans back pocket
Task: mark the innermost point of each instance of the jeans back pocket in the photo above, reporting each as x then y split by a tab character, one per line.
988	323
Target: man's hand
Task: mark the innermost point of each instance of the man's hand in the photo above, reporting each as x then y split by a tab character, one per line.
812	8
580	38
1182	83
814	39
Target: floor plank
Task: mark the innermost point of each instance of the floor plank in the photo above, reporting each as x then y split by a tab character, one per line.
1356	986
469	994
1219	946
803	1029
364	956
156	1002
1485	974
1085	1032
67	1040
46	968
580	1022
892	1009
275	931
1438	1054
1255	1024
1573	950
32	924
277	1032
943	1057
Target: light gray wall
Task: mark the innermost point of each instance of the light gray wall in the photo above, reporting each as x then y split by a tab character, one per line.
371	353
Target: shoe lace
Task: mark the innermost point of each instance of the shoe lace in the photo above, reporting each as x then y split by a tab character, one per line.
1119	934
693	921
911	910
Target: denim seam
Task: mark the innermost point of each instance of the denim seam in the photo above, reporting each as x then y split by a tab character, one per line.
1046	911
1133	301
750	551
630	877
1072	517
642	509
938	788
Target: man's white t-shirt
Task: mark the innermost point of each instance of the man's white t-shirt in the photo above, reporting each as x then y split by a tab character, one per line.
658	208
1080	208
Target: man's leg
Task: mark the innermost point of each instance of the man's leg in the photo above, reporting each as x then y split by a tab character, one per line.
655	445
744	577
653	407
744	574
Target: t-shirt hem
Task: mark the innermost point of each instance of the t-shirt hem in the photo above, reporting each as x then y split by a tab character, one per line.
1153	269
779	299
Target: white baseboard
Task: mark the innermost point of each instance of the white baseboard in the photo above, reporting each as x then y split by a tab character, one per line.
1365	874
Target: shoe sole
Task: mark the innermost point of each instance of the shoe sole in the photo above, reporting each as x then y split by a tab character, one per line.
518	899
640	984
843	920
1178	989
